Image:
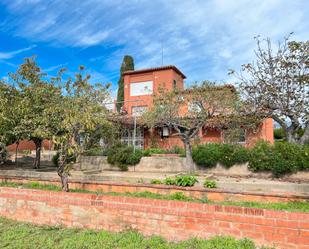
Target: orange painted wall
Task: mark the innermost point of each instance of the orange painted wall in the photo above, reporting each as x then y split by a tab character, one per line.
162	78
154	139
29	145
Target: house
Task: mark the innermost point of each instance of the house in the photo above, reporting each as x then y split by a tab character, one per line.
139	87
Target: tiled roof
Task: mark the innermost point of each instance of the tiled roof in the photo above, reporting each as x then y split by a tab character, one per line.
147	70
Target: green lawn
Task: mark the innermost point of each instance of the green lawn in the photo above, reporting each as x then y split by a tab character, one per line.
15	235
295	206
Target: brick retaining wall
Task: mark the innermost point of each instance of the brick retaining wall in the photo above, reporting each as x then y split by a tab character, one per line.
195	192
174	220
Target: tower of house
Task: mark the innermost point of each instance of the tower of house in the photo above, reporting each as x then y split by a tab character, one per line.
139	85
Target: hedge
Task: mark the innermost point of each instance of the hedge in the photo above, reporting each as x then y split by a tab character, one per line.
123	156
281	158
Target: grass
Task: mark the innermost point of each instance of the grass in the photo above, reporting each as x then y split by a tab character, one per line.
293	206
26	236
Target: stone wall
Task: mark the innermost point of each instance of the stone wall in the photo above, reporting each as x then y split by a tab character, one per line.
147	164
174	220
159	163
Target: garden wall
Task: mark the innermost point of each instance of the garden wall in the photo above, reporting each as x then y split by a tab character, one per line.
173	163
174	220
159	163
216	195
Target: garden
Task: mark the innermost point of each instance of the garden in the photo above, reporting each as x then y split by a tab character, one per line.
71	113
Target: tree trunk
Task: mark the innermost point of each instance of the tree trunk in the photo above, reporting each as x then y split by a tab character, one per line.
305	137
291	137
38	146
189	161
64	176
65	182
16	151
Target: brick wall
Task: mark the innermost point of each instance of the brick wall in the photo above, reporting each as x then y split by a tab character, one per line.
174	220
215	195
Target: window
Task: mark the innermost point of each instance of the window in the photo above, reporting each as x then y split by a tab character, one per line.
127	137
141	88
165	132
138	110
174	84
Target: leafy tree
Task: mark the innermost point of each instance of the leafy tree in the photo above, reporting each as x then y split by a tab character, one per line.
187	111
82	111
38	97
10	115
108	133
276	85
127	64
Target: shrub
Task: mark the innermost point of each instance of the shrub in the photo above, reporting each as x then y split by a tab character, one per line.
156	181
207	155
209	184
279	133
150	151
185	181
3	154
281	158
261	156
288	158
55	159
305	154
182	181
96	151
123	156
175	150
169	181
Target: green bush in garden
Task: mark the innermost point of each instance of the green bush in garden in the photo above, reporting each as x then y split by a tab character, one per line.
210	184
288	158
156	181
181	181
185	181
305	153
174	150
207	155
169	181
123	156
279	133
281	158
96	151
261	157
150	151
233	154
55	159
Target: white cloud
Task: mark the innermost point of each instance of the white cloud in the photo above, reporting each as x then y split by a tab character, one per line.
203	38
52	68
11	54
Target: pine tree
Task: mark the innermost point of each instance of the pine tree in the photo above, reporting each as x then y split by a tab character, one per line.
127	64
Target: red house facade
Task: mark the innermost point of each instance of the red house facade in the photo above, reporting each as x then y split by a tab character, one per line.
139	87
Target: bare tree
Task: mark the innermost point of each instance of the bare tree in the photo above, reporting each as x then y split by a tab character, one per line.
276	84
187	111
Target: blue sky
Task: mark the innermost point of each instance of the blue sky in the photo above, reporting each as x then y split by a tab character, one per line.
203	38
